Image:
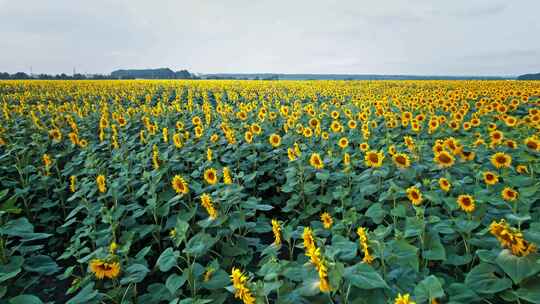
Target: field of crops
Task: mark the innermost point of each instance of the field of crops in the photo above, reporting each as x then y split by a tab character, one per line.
269	192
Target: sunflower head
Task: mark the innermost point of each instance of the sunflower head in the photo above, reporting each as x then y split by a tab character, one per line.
414	195
275	140
466	203
444	184
490	178
509	194
327	220
210	176
444	159
315	161
179	185
374	159
501	160
401	160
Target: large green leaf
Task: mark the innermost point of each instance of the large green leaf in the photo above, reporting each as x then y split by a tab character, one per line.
428	289
25	299
364	276
517	268
199	244
167	259
484	279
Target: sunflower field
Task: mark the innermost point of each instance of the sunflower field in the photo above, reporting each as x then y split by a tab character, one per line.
218	191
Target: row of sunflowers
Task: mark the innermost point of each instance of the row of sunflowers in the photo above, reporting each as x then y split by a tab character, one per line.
269	192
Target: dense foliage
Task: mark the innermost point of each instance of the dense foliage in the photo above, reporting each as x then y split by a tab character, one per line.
269	192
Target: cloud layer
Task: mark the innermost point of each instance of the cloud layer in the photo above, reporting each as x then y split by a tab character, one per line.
479	37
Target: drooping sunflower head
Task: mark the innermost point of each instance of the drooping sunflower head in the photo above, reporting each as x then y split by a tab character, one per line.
466	203
509	194
414	195
401	160
179	185
210	176
444	159
501	160
103	269
315	161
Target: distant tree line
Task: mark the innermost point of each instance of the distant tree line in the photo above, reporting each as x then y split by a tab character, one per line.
118	74
529	77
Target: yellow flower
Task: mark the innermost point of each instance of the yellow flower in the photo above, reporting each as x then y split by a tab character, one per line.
227	179
466	203
112	247
533	143
72	183
501	160
46	161
511	238
509	194
343	142
522	169
414	195
241	290
101	183
155	157
401	160
179	185
364	147
102	269
55	134
276	229
490	178
444	159
444	184
315	161
206	202
404	299
209	154
374	159
210	176
362	235
275	140
177	140
327	220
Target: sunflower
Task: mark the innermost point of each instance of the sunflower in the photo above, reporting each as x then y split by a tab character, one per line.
291	154
496	136
179	185
343	142
444	184
248	136
101	183
522	169
275	140
490	178
401	160
55	134
414	195
403	299
364	147
374	159
501	160
509	194
444	159
315	161
210	176
533	143
466	203
327	220
102	269
206	202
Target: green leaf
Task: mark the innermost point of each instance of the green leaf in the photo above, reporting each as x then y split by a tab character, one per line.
376	213
342	248
174	282
25	299
434	249
135	274
364	276
483	279
11	269
530	291
86	294
517	268
413	227
181	229
199	244
404	254
167	259
428	289
41	264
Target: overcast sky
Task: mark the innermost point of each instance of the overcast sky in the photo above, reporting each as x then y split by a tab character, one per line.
454	37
